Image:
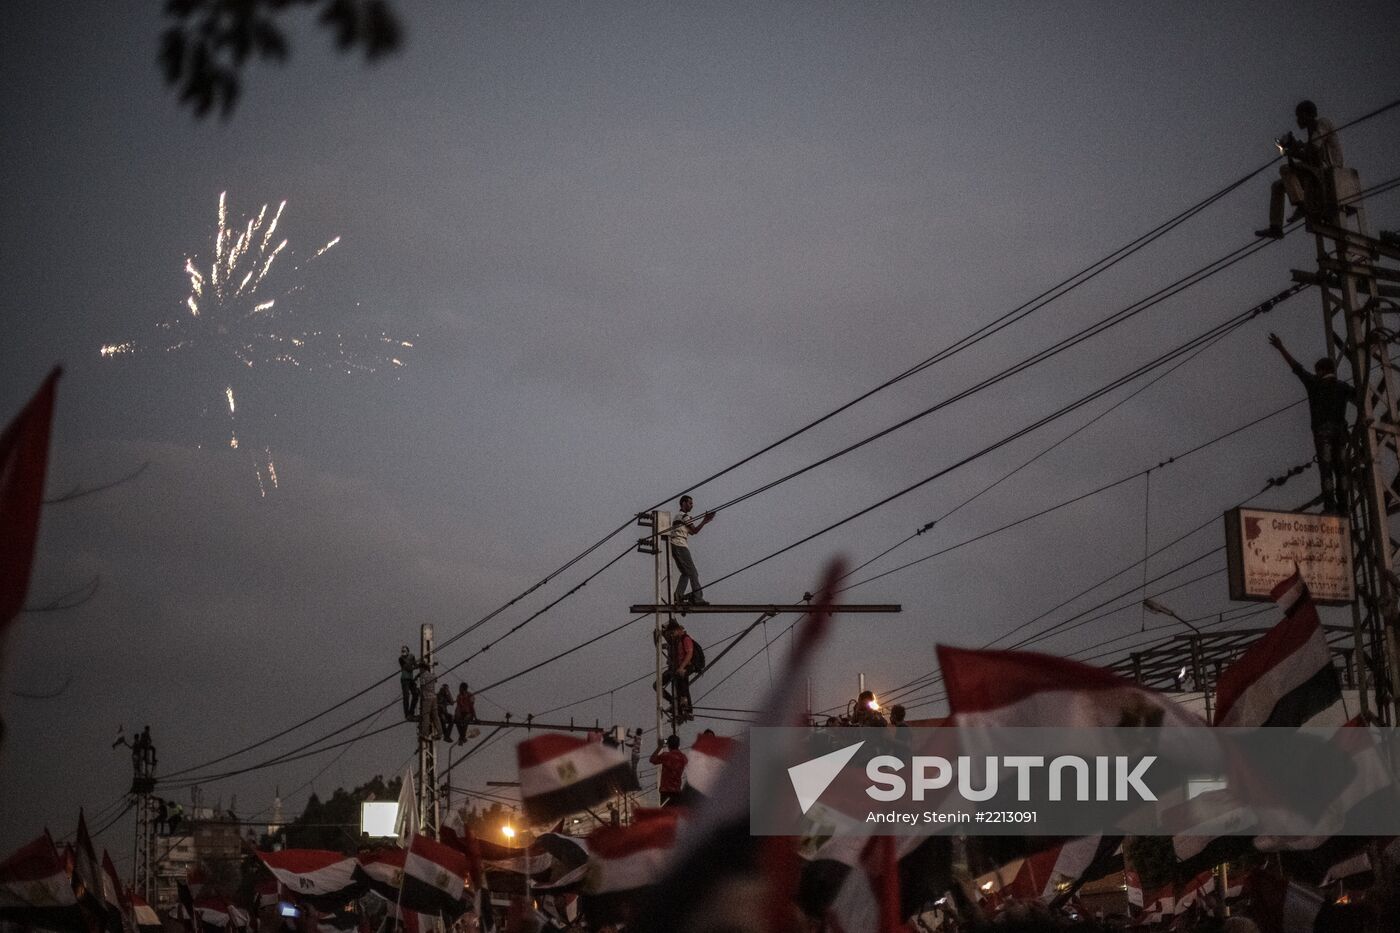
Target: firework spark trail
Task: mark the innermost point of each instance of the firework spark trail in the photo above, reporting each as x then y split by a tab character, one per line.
230	315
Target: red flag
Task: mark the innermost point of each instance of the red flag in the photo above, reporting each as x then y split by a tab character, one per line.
24	452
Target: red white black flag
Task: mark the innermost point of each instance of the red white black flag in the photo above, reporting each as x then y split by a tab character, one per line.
1286	678
434	878
315	874
564	774
35	889
381	870
707	759
1023	688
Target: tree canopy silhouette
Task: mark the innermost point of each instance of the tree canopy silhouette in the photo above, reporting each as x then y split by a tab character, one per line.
209	42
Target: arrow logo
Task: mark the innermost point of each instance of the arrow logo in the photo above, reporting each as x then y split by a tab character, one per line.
811	778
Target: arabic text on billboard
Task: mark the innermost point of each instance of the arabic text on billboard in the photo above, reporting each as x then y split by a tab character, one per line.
1264	547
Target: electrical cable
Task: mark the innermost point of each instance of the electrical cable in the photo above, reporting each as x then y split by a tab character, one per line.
1243	252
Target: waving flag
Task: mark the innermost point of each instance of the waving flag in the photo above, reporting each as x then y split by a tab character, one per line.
35	889
1023	688
314	874
624	861
24	453
1286	678
707	758
114	897
563	774
144	915
381	870
434	878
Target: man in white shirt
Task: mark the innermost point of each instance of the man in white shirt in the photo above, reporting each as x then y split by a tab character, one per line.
1303	177
682	527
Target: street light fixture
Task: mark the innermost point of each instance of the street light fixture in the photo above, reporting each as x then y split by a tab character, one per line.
1197	664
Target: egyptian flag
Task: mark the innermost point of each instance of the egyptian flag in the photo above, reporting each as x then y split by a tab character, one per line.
87	876
318	875
434	878
624	861
1349	815
144	915
24	453
706	759
1286	678
470	846
563	774
35	889
381	870
114	897
1023	688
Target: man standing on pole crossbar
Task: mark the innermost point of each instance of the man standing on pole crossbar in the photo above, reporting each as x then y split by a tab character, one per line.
682	527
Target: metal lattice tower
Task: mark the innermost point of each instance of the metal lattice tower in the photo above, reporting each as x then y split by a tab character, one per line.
143	846
658	544
1361	320
429	806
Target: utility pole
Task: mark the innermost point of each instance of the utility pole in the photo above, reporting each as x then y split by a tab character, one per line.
429	809
658	545
1360	343
143	846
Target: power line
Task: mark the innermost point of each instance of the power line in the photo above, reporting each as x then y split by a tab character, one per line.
982	333
1057	291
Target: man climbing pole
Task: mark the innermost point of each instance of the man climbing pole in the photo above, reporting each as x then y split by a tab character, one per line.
672	762
1303	177
682	527
1327	410
408	682
682	655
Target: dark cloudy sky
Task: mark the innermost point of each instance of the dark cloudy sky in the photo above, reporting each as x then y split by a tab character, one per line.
635	242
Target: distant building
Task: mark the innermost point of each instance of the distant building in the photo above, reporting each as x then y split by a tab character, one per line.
207	838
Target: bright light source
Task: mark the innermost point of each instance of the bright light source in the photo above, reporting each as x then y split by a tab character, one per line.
987	886
378	818
508	831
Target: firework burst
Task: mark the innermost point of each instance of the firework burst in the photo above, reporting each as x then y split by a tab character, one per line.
237	316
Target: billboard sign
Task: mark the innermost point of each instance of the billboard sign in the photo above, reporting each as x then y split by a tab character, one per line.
1262	547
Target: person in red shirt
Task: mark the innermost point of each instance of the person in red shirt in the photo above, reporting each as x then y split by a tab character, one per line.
672	762
680	657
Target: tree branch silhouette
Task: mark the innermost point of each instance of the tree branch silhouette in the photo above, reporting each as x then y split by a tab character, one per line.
204	51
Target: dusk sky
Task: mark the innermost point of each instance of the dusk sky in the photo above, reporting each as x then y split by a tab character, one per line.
631	243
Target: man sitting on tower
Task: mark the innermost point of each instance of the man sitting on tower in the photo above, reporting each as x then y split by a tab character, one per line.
682	527
1303	176
1327	409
